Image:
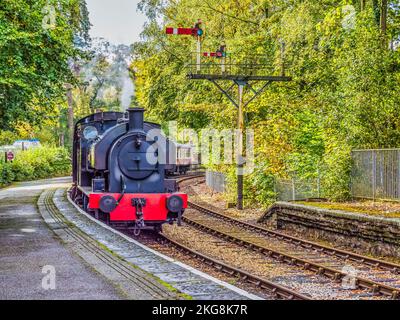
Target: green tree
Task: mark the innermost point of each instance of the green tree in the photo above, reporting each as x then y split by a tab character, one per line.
38	39
344	93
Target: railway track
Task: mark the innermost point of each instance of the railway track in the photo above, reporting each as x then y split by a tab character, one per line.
248	236
86	245
273	289
189	177
342	254
339	253
379	277
293	253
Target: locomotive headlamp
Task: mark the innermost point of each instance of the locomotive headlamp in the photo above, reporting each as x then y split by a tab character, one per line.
107	204
90	133
175	204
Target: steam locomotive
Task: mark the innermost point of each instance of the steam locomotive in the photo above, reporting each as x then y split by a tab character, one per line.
119	165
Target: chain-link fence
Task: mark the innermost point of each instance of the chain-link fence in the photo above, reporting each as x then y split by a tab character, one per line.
296	189
376	174
286	190
216	181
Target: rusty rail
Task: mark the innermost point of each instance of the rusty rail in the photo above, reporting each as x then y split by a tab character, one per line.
271	287
342	254
190	177
333	274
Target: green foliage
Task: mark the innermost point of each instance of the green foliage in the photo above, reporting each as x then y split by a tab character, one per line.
337	168
344	93
6	173
35	60
104	79
259	188
47	134
38	163
7	137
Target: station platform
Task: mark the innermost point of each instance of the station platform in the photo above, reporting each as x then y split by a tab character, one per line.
27	245
365	233
39	228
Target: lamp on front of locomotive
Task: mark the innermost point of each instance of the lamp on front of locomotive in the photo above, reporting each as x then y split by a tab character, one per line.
175	208
175	204
90	133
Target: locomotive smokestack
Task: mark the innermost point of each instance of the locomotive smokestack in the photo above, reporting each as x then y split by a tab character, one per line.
136	118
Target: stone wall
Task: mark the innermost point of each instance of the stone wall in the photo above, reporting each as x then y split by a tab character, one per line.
377	235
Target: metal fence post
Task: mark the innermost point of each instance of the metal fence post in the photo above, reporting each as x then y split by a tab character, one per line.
293	190
373	174
351	187
398	173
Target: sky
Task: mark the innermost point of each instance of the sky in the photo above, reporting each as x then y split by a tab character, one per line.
118	21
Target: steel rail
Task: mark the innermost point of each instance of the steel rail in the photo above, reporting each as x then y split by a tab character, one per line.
342	254
186	178
92	246
333	274
271	287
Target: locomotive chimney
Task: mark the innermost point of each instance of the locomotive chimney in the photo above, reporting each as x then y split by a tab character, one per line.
135	118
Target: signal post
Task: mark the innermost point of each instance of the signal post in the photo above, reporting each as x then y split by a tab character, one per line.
241	75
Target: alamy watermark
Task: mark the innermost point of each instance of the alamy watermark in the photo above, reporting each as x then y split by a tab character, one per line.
212	146
349	281
49	18
349	19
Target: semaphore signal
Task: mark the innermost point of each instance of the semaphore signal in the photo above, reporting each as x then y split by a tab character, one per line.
196	31
241	75
219	54
185	31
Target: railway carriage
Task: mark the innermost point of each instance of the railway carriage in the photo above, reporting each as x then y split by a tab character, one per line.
182	162
119	171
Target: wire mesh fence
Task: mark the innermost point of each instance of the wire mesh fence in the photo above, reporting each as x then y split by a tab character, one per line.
376	174
297	189
286	190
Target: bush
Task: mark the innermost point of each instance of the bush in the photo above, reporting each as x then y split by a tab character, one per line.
337	170
7	137
6	173
39	163
258	187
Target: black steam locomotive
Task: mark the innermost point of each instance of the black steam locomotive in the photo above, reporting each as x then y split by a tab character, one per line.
119	164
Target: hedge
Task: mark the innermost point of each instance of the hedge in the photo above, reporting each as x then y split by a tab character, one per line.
33	164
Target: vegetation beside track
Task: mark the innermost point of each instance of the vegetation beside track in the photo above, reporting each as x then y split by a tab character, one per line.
345	65
384	209
343	57
39	163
